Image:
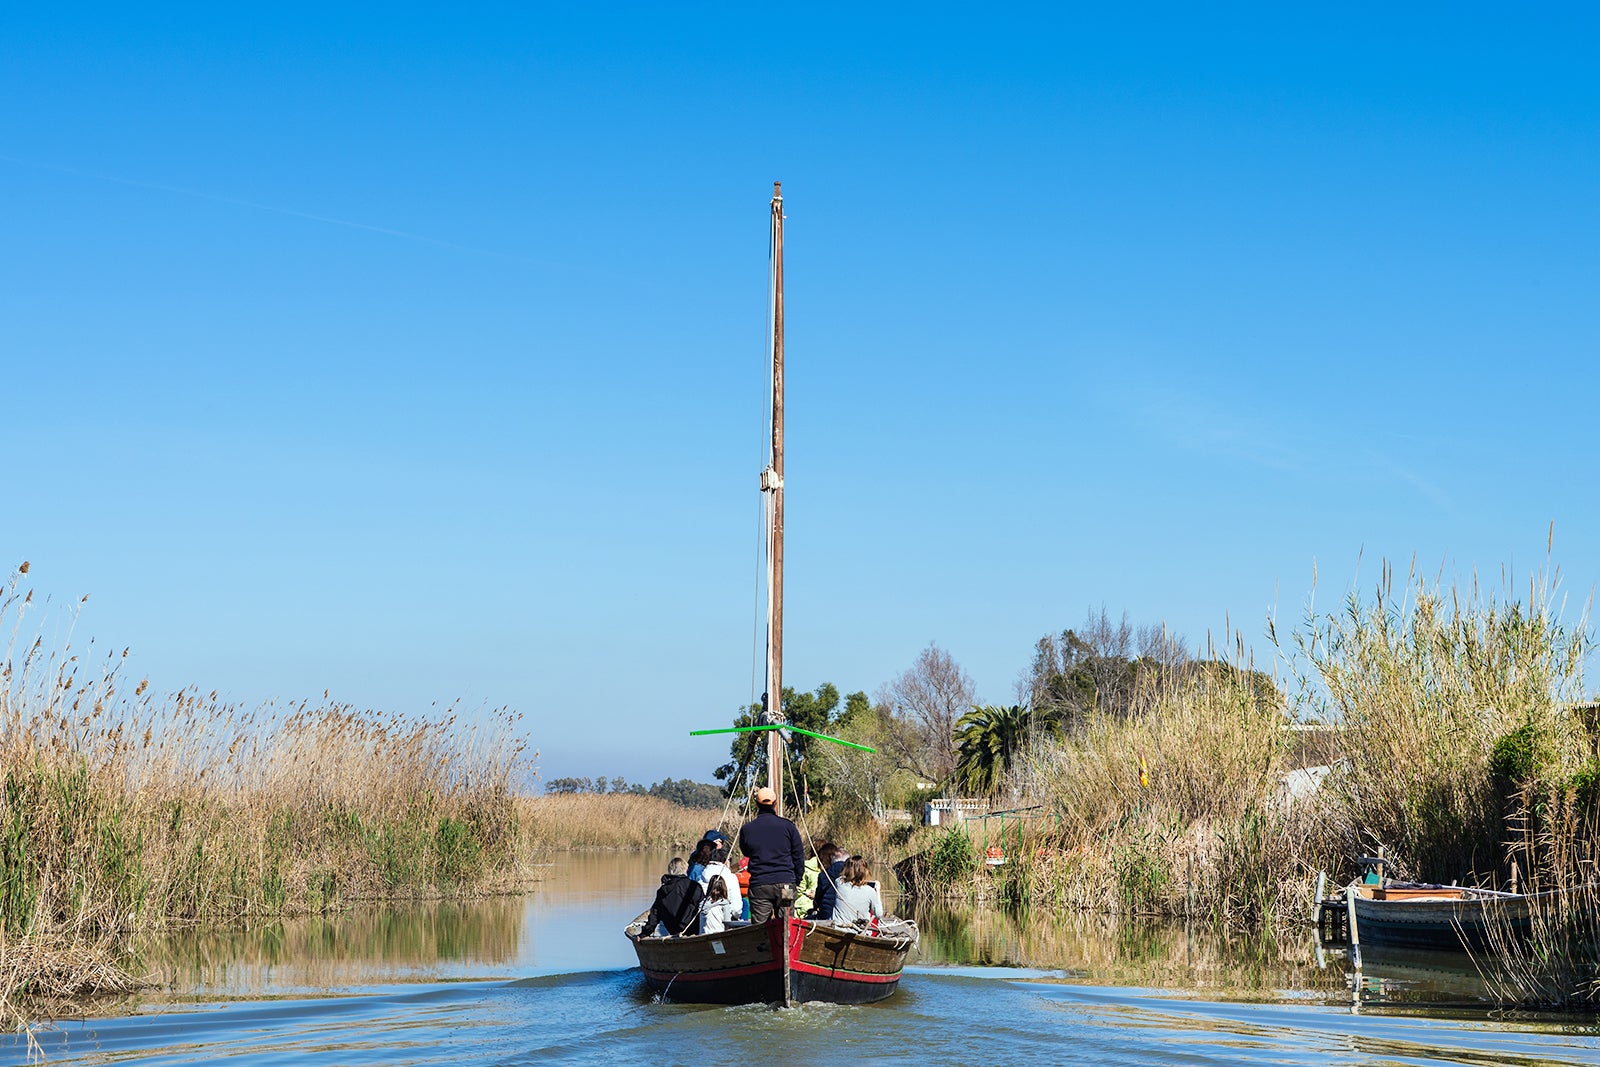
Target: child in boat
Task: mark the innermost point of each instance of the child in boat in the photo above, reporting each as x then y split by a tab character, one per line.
716	910
856	897
716	869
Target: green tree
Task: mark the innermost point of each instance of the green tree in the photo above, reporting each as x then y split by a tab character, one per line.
988	741
686	793
819	711
1107	665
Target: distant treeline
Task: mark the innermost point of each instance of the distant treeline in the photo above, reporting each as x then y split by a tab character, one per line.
684	792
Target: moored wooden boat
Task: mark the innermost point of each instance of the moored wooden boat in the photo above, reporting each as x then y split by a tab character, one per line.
1438	917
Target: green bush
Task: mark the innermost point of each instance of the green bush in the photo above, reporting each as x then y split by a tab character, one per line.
951	858
1515	756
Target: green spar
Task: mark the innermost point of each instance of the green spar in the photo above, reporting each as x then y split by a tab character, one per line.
781	726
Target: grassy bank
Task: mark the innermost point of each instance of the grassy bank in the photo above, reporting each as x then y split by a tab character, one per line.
1457	725
621	821
1172	811
123	810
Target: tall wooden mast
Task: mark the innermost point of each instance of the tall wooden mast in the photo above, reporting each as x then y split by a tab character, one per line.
772	482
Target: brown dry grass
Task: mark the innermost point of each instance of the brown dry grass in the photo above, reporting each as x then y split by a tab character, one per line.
124	809
1171	811
1428	684
621	821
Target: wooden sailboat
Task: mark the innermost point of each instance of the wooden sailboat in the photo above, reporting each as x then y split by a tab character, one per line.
785	960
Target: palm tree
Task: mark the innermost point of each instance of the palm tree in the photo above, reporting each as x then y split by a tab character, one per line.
988	739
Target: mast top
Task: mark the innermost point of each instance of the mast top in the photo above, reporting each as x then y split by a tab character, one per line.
777	190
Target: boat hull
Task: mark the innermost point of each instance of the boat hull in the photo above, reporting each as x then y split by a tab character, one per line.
784	961
836	966
1437	918
741	965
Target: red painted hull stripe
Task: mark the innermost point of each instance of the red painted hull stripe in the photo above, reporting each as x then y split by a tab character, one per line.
842	976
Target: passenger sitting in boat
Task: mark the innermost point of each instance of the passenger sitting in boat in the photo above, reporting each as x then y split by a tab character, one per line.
832	863
807	897
716	910
717	870
677	907
699	858
858	900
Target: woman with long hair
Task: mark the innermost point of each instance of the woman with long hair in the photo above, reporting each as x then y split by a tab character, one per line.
699	858
856	899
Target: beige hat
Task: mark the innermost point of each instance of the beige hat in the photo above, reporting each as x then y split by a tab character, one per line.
765	795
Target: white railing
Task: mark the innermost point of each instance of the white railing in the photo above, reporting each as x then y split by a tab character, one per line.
946	811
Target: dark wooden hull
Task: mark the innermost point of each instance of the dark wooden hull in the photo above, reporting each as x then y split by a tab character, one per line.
1436	918
784	961
742	965
835	966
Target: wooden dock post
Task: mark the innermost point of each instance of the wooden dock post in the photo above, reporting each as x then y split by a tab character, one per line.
1355	938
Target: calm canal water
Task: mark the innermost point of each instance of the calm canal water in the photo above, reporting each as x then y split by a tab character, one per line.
549	978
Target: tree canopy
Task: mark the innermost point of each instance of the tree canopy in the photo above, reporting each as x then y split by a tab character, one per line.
818	710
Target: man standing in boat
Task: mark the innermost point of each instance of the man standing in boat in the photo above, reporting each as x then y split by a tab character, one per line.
777	858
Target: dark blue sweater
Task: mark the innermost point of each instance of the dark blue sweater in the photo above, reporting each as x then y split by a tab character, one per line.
826	884
773	846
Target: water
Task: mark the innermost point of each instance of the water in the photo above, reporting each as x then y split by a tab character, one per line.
549	979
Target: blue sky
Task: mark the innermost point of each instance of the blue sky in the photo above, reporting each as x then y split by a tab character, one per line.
416	353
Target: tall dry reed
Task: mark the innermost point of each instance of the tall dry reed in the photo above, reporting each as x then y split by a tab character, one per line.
1173	810
1543	953
122	808
1438	704
1426	681
623	821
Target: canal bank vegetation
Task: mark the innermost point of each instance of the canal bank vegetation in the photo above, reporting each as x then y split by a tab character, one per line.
123	810
1550	960
1438	723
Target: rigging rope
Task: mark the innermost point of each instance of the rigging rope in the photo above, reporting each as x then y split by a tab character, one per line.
805	831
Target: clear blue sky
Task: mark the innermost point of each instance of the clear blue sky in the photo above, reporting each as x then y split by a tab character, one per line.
416	353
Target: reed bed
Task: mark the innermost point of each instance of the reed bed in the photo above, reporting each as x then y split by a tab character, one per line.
1174	811
1439	704
620	821
1448	697
1551	960
122	809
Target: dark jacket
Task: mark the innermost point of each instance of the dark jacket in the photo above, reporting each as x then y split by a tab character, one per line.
826	884
677	905
773	845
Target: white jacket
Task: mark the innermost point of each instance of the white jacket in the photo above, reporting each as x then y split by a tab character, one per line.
716	914
729	879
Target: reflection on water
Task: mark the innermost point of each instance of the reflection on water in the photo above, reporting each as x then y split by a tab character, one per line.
334	951
549	978
1102	949
572	921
